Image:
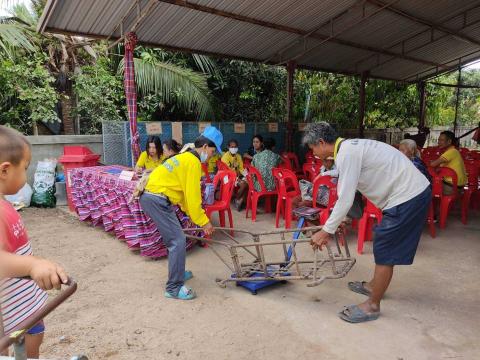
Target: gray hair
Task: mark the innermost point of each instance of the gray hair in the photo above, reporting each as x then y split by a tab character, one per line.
411	145
319	131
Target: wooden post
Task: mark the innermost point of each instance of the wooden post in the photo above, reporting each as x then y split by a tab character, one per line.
291	66
421	112
361	108
457	101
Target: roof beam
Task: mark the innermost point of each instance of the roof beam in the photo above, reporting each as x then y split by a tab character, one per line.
432	40
426	22
461	61
291	30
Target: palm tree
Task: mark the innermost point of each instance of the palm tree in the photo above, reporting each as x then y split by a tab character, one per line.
66	55
12	35
186	88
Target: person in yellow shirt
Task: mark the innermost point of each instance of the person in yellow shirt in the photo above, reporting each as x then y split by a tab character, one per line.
152	156
177	182
234	161
212	163
452	159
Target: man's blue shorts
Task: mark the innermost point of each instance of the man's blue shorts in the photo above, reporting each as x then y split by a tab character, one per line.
396	238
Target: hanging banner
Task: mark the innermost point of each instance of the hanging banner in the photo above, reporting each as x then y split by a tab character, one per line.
273	127
239	128
154	128
202	126
177	132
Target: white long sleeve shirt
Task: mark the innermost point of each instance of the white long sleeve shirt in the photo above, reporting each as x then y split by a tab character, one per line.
379	171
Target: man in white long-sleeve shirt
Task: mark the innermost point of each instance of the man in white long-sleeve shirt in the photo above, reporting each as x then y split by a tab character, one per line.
393	184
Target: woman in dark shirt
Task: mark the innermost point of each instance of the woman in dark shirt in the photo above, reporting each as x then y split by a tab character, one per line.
257	147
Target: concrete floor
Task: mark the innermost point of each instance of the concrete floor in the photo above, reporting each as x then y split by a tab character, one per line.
431	310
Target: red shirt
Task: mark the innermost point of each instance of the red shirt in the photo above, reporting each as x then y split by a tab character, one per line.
12	231
19	298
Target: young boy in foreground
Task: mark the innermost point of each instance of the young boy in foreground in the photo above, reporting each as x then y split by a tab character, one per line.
20	298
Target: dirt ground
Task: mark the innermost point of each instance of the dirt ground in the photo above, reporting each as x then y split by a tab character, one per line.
119	312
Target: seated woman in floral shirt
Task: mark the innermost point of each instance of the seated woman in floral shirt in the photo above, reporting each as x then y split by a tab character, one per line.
265	161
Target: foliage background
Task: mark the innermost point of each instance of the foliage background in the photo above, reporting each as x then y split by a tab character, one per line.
35	85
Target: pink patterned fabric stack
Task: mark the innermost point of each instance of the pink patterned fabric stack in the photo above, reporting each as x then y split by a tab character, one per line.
101	198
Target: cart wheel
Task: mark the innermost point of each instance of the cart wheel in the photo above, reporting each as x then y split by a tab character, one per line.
254	292
283	282
236	283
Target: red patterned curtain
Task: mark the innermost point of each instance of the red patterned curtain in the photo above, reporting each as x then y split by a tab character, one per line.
131	93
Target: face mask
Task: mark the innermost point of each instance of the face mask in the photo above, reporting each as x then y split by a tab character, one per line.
233	151
203	157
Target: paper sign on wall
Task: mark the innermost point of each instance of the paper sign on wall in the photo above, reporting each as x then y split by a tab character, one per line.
273	127
302	126
126	175
154	128
239	128
177	134
202	126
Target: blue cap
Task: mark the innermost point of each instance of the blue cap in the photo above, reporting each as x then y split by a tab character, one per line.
214	135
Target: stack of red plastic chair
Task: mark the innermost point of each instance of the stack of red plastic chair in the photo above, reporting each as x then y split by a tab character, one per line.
472	190
290	162
365	225
226	181
445	201
254	195
288	189
332	198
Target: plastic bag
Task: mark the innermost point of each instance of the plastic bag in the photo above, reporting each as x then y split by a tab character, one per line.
209	194
44	184
306	190
22	198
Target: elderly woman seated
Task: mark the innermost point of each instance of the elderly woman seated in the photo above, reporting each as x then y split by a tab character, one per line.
410	149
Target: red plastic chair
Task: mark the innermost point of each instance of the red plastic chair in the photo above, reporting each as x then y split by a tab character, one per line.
226	181
288	189
208	179
311	170
290	162
464	152
254	195
472	189
445	201
365	225
222	166
332	198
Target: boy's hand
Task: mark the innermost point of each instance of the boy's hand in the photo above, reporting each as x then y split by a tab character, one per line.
47	274
208	229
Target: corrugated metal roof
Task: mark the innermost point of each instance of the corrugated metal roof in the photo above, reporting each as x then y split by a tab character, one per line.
390	39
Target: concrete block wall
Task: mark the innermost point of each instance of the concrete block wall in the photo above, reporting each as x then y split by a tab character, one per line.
47	147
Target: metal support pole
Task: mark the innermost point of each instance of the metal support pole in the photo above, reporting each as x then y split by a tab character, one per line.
421	113
459	81
291	66
361	108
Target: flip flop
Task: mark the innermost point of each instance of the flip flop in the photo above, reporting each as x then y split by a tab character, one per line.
185	293
353	314
187	275
359	287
